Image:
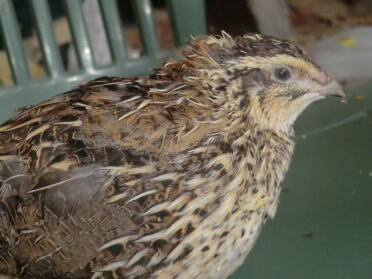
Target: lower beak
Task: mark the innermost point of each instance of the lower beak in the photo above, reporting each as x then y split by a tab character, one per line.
333	88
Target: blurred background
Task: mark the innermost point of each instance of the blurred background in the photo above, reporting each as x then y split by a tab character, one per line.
337	32
323	228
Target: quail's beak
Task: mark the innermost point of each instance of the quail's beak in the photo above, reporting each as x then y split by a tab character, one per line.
333	88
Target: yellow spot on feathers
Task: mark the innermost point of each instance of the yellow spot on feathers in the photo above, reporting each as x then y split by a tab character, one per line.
248	206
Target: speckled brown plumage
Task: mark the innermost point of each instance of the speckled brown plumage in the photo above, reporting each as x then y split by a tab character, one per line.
166	176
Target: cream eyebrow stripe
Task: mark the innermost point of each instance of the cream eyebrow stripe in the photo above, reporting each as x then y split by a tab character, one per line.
249	62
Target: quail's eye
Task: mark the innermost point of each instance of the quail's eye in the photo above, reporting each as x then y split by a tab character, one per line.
282	74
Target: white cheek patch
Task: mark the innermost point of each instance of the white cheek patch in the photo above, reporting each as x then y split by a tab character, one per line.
305	101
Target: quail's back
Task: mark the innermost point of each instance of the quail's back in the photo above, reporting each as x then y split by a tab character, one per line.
166	176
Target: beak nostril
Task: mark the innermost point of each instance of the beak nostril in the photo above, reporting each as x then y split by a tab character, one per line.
322	78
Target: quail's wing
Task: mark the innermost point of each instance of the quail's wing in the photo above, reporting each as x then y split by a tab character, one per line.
73	176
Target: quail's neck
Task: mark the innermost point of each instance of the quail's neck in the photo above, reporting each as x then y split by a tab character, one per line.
261	158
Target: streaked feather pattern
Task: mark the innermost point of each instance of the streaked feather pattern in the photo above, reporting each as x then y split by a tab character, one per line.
166	176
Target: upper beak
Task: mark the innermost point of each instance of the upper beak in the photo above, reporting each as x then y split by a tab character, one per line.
333	88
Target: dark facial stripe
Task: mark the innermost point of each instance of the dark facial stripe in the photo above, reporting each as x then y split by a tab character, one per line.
293	94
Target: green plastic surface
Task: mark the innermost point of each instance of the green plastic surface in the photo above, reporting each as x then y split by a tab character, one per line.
49	46
188	18
13	42
188	8
145	19
323	226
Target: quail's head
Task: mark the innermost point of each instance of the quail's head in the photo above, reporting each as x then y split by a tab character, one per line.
257	79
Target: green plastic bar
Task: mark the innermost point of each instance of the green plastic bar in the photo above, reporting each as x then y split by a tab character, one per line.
48	41
144	16
188	19
80	35
13	42
114	30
